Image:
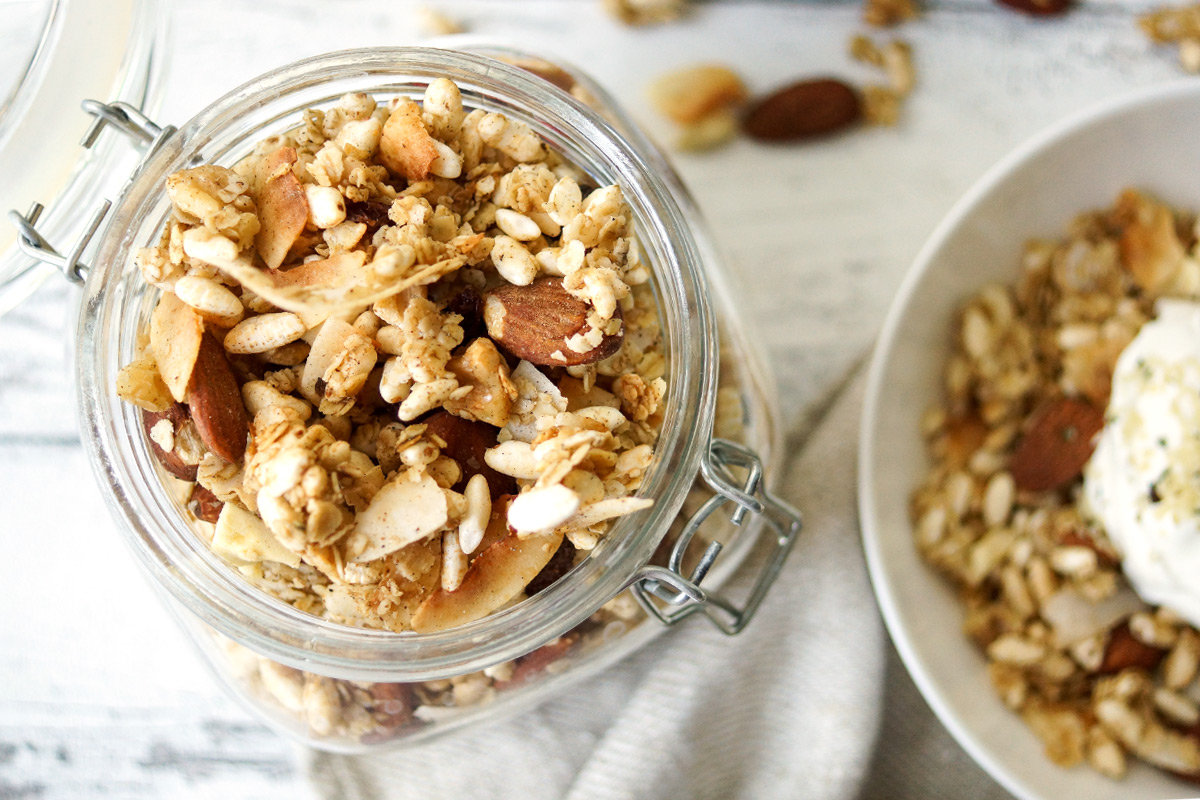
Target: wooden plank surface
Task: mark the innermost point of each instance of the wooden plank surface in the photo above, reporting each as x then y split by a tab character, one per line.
100	694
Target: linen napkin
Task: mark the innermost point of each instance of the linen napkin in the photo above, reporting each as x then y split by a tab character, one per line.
789	708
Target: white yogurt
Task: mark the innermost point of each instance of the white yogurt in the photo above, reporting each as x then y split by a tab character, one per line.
1143	480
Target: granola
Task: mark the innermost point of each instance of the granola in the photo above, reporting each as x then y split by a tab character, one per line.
329	299
1098	674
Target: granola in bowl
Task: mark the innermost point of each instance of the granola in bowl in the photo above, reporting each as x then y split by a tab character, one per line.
403	356
1009	509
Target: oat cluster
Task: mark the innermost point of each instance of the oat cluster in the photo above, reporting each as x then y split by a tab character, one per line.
404	357
1092	670
1177	25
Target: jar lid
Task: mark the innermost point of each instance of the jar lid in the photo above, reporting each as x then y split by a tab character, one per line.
56	54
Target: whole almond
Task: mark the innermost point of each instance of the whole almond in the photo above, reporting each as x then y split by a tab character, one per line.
1123	650
1038	8
534	322
215	402
176	414
1057	444
466	442
804	110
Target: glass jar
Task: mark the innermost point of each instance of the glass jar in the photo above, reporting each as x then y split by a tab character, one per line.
350	689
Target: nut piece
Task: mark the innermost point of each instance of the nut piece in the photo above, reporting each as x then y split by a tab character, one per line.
690	94
215	402
534	322
1038	8
804	110
1057	445
205	505
282	207
466	442
497	575
175	416
1124	651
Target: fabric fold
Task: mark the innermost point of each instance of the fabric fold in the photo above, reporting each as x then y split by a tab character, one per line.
789	708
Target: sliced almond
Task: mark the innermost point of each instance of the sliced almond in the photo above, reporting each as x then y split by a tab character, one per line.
402	512
534	322
497	575
406	148
282	207
175	335
215	402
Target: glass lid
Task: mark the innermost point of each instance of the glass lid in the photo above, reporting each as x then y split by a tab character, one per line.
53	55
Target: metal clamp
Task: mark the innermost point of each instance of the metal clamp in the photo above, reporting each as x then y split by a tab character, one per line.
135	125
682	595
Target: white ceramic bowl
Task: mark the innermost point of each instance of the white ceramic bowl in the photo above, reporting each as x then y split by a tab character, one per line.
1149	139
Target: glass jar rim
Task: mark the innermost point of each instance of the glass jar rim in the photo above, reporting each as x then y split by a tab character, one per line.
183	565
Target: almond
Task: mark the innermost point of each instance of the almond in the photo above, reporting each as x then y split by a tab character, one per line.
205	505
495	576
560	565
534	322
1124	651
1038	8
215	402
804	110
1057	444
282	207
466	442
176	414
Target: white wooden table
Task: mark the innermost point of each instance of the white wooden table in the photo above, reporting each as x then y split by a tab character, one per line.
100	696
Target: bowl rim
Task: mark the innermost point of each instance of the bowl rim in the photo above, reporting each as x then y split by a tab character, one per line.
983	753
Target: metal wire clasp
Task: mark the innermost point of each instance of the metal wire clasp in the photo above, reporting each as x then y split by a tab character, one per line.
129	121
681	595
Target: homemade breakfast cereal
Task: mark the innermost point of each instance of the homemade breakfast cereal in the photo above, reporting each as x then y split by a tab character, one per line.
405	358
1012	511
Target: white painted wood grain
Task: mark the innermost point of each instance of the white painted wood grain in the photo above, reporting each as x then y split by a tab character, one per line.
101	696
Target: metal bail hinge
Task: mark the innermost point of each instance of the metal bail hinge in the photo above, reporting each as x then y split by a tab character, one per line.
129	121
681	595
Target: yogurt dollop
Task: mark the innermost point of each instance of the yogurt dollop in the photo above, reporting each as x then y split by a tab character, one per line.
1143	480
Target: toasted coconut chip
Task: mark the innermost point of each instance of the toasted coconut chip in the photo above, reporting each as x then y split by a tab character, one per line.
401	513
341	282
606	509
282	207
497	575
406	147
175	335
